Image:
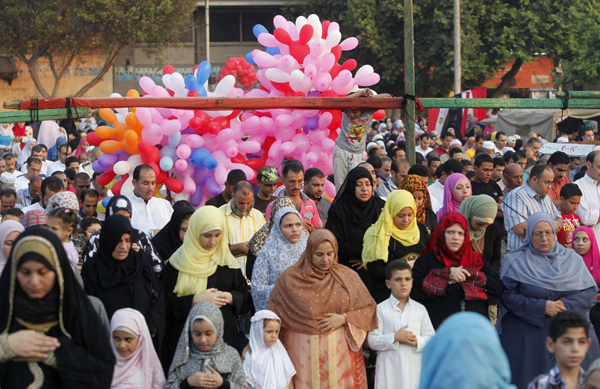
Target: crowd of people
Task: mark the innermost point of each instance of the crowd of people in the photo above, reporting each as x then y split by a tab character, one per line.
475	267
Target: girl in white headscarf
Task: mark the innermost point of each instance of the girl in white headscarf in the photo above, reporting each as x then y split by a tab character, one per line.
268	366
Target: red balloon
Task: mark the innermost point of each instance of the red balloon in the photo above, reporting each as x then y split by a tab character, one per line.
173	184
255	163
214	128
168	69
195	123
193	93
329	93
93	139
325	25
144	148
379	114
106	177
222	120
116	188
238	159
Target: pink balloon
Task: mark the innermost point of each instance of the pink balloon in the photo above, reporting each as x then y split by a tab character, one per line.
367	79
302	142
170	127
330	189
189	186
144	116
224	135
349	44
284	120
159	91
310	71
264	59
181	165
249	147
147	84
195	141
325	120
152	134
277	75
285	134
311	158
328	144
184	151
274	149
322	81
287	148
231	151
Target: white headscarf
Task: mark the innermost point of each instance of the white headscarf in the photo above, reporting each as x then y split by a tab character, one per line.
48	134
267	367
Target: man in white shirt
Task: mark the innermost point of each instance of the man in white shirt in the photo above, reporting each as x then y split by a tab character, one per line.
436	190
500	144
424	148
11	163
150	214
34	167
43	158
64	152
50	187
589	206
36	152
242	221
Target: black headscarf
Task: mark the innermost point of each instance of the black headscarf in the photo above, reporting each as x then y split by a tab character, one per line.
117	203
85	357
71	129
167	241
360	213
110	272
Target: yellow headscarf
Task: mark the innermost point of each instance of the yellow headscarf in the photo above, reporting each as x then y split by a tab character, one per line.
195	264
377	237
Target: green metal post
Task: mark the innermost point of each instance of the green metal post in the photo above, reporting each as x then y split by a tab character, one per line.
44	114
509	103
409	78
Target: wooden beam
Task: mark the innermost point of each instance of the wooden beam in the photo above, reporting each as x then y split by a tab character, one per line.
509	103
214	103
409	79
46	114
578	94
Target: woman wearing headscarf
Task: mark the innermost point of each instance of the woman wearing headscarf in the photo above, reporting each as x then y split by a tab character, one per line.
121	205
20	134
123	278
326	312
395	235
485	233
456	189
283	248
81	147
353	211
73	134
9	232
191	362
137	367
449	277
170	238
425	215
542	278
51	323
585	244
6	136
48	135
465	353
25	153
259	239
203	269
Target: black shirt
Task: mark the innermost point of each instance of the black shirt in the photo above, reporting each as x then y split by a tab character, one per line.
491	189
217	201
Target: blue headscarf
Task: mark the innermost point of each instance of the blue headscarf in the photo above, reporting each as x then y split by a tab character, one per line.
465	353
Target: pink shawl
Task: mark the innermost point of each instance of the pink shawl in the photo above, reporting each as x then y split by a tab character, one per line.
79	150
144	357
451	204
592	257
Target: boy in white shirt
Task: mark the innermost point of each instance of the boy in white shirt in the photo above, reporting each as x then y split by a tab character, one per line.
404	329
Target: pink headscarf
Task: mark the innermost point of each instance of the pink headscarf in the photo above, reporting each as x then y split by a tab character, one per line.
144	357
451	204
592	257
79	150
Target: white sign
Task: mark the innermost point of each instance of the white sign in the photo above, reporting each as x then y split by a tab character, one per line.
571	149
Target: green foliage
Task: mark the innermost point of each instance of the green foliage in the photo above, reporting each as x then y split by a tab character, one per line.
61	30
492	32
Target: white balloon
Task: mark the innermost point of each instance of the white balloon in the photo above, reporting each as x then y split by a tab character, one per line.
225	85
315	22
122	167
127	187
333	38
366	69
277	75
166	79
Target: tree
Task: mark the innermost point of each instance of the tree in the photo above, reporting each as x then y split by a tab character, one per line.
492	33
62	30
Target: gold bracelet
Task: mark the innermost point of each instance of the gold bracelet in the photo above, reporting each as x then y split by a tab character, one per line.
6	353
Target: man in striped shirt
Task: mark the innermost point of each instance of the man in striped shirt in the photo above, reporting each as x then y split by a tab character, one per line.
527	200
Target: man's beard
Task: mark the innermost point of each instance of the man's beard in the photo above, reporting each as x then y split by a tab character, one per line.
239	213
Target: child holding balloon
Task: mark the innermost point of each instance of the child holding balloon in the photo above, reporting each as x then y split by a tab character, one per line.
349	150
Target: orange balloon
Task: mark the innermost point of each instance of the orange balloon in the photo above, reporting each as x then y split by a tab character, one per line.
108	115
133	93
120	129
104	132
133	123
110	146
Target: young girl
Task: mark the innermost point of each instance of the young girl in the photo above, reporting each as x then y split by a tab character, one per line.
585	244
89	225
202	359
63	221
268	366
138	366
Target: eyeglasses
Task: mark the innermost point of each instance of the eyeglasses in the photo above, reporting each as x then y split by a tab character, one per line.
545	183
541	234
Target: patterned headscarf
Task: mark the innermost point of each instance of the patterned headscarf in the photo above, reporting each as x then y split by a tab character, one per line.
189	359
260	238
33	218
63	200
414	183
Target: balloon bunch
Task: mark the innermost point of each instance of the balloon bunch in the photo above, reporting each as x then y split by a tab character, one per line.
198	148
243	72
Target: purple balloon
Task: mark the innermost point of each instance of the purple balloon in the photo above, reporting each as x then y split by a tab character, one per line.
212	186
97	167
196	197
314	93
122	155
107	160
200	176
312	123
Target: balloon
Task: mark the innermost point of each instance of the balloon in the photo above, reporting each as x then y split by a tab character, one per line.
379	115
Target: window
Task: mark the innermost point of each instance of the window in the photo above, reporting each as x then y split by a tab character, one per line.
236	26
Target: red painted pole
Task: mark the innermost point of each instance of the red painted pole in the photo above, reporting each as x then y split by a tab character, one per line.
211	103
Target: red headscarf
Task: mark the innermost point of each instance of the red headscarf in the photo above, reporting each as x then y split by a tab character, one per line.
79	150
464	256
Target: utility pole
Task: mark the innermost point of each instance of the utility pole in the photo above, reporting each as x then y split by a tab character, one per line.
409	78
457	49
207	22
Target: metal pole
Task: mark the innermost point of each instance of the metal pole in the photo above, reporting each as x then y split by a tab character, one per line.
207	22
457	49
578	94
409	78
